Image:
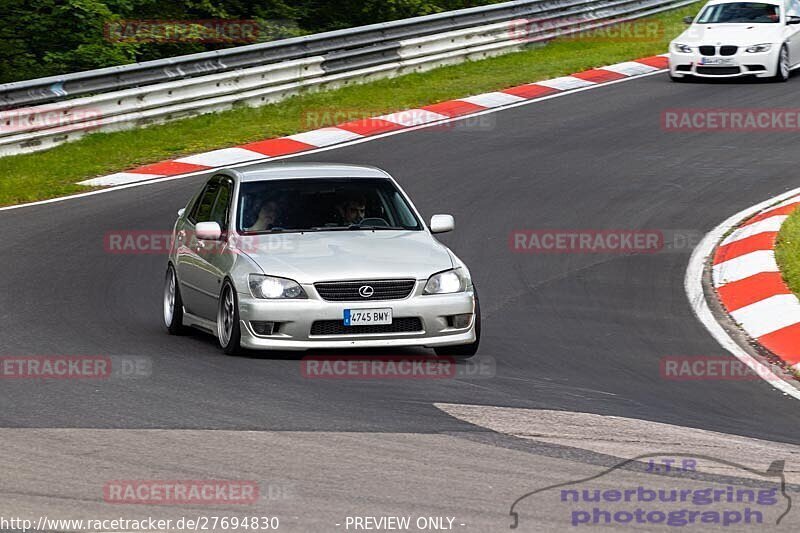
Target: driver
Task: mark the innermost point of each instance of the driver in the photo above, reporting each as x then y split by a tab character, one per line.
268	216
351	210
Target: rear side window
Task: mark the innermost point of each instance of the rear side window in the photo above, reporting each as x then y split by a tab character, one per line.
202	209
221	207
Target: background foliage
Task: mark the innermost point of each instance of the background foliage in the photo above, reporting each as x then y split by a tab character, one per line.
49	37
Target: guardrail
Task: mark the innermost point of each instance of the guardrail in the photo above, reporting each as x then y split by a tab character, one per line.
49	111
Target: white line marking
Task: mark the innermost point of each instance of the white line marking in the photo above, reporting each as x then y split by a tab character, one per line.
222	157
494	99
120	178
325	136
744	266
773	223
693	283
768	315
566	83
334	147
630	68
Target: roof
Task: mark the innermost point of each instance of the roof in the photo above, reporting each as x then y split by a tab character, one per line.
274	171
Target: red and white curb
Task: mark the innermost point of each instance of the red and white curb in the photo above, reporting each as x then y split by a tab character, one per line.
749	284
359	129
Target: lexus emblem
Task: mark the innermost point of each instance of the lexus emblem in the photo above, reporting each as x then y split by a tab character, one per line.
365	291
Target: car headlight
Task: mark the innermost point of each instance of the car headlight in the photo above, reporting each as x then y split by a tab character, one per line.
682	48
758	48
270	287
447	282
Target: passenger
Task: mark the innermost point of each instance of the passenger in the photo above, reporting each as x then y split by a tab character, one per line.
268	217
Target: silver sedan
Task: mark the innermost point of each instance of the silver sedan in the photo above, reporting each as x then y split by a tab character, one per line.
300	256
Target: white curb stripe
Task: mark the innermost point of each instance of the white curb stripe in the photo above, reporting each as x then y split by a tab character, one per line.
493	99
744	266
629	68
773	223
324	136
771	314
566	83
120	178
412	117
222	157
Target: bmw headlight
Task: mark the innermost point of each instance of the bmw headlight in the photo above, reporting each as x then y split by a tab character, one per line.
682	48
447	282
758	48
270	287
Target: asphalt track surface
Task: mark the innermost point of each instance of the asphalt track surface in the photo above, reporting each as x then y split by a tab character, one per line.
569	332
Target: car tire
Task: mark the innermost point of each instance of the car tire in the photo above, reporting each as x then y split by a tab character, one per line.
465	350
782	71
173	303
677	79
229	334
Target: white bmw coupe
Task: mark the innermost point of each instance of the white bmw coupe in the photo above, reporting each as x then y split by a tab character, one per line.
729	39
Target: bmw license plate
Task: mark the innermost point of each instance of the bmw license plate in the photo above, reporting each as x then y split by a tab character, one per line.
366	317
716	61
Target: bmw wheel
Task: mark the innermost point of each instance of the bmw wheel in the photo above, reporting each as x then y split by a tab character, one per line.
173	304
782	70
228	329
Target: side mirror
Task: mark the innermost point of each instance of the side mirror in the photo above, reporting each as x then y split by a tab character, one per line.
181	211
688	20
792	19
208	231
442	223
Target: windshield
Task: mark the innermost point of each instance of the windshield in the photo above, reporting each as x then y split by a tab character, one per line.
323	205
746	12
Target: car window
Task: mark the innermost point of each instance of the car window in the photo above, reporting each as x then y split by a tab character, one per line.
323	204
202	209
740	12
219	213
794	8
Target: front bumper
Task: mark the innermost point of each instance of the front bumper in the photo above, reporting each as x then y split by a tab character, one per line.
743	63
295	319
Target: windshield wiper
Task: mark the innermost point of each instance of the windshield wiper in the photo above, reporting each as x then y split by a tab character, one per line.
359	226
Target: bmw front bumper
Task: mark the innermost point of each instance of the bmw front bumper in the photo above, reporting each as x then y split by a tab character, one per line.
761	65
293	320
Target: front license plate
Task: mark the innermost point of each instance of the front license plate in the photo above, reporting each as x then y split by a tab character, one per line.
365	317
716	61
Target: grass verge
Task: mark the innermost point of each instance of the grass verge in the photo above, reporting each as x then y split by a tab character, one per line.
787	251
54	172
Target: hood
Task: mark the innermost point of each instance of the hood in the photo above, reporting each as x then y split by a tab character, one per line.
340	255
738	34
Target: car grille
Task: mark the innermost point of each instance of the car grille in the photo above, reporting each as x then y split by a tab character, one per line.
708	50
348	291
718	71
337	327
727	50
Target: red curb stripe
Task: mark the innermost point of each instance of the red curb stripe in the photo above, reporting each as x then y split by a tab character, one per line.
168	168
747	291
784	210
599	75
754	243
530	90
276	147
453	108
370	126
785	343
654	61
